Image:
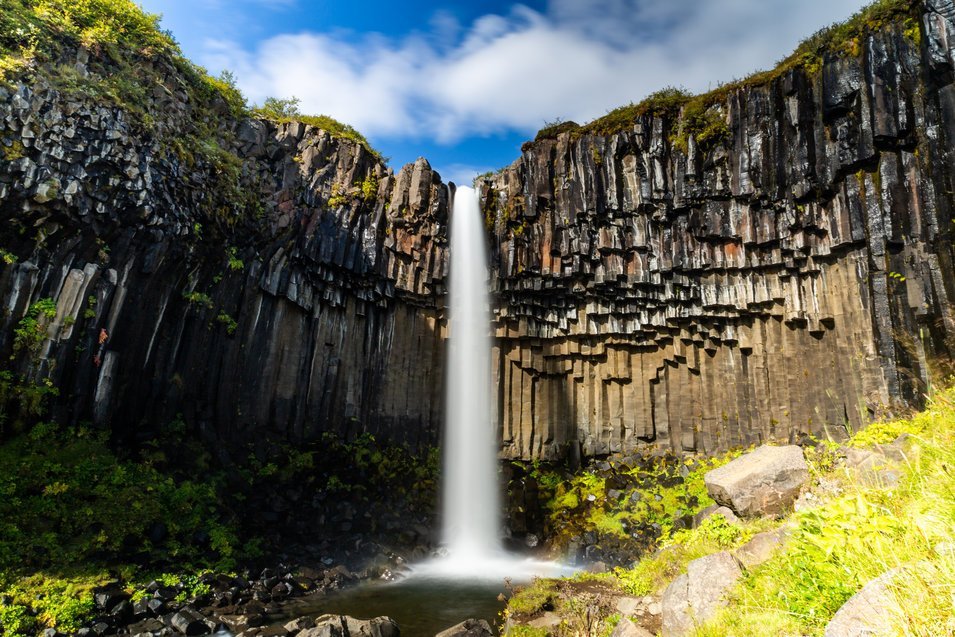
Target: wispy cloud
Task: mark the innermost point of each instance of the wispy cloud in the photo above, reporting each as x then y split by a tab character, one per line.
515	71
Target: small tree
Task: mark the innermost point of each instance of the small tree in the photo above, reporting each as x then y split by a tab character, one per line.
279	108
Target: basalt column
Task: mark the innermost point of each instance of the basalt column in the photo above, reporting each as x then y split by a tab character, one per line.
794	277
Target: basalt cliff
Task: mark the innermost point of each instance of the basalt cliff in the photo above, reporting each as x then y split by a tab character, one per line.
654	286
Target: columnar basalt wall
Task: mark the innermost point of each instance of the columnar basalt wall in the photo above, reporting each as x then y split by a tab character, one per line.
314	306
794	278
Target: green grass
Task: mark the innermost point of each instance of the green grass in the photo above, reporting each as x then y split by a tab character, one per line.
833	550
287	110
581	504
859	535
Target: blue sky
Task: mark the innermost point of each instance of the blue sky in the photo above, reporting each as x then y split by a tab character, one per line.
465	83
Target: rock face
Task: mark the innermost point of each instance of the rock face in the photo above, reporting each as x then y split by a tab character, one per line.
305	296
763	482
694	597
793	278
274	279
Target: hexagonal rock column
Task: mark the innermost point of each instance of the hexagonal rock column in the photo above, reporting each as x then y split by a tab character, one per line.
765	481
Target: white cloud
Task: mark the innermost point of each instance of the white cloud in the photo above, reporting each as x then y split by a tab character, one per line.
461	174
576	60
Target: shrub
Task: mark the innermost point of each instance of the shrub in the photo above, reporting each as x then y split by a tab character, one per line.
283	110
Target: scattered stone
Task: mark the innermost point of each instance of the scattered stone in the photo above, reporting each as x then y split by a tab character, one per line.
468	628
869	612
760	548
301	623
108	598
189	622
151	625
626	628
549	619
695	596
628	605
715	509
765	481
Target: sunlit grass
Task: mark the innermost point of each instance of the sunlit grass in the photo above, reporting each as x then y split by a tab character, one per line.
837	548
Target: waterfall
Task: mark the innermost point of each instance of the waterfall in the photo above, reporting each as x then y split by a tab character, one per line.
471	502
470	496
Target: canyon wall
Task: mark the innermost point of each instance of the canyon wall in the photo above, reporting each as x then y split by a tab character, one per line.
294	291
792	278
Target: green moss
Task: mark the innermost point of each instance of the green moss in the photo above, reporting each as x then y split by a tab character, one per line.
552	129
843	39
664	491
287	110
13	151
198	298
531	599
235	263
369	188
706	124
228	322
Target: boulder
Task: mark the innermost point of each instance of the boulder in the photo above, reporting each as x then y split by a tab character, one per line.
302	623
626	628
760	548
765	481
189	622
715	509
468	628
695	596
377	627
345	626
869	612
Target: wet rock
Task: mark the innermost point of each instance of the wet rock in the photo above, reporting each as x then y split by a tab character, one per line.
468	628
190	622
345	626
151	625
300	624
765	481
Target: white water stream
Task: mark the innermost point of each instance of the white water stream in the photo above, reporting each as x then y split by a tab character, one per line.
470	498
471	503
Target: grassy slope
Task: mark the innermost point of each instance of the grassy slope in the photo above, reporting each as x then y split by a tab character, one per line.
857	533
127	50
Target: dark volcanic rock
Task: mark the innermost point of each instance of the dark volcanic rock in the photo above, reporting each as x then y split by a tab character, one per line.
790	278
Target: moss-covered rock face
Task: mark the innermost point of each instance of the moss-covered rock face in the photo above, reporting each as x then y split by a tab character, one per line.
610	512
263	275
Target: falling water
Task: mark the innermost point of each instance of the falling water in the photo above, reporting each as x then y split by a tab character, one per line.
471	506
471	503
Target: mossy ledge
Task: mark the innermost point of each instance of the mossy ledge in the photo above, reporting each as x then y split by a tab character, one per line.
700	115
129	59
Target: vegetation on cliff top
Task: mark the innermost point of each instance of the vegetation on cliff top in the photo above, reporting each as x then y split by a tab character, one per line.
127	50
696	113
